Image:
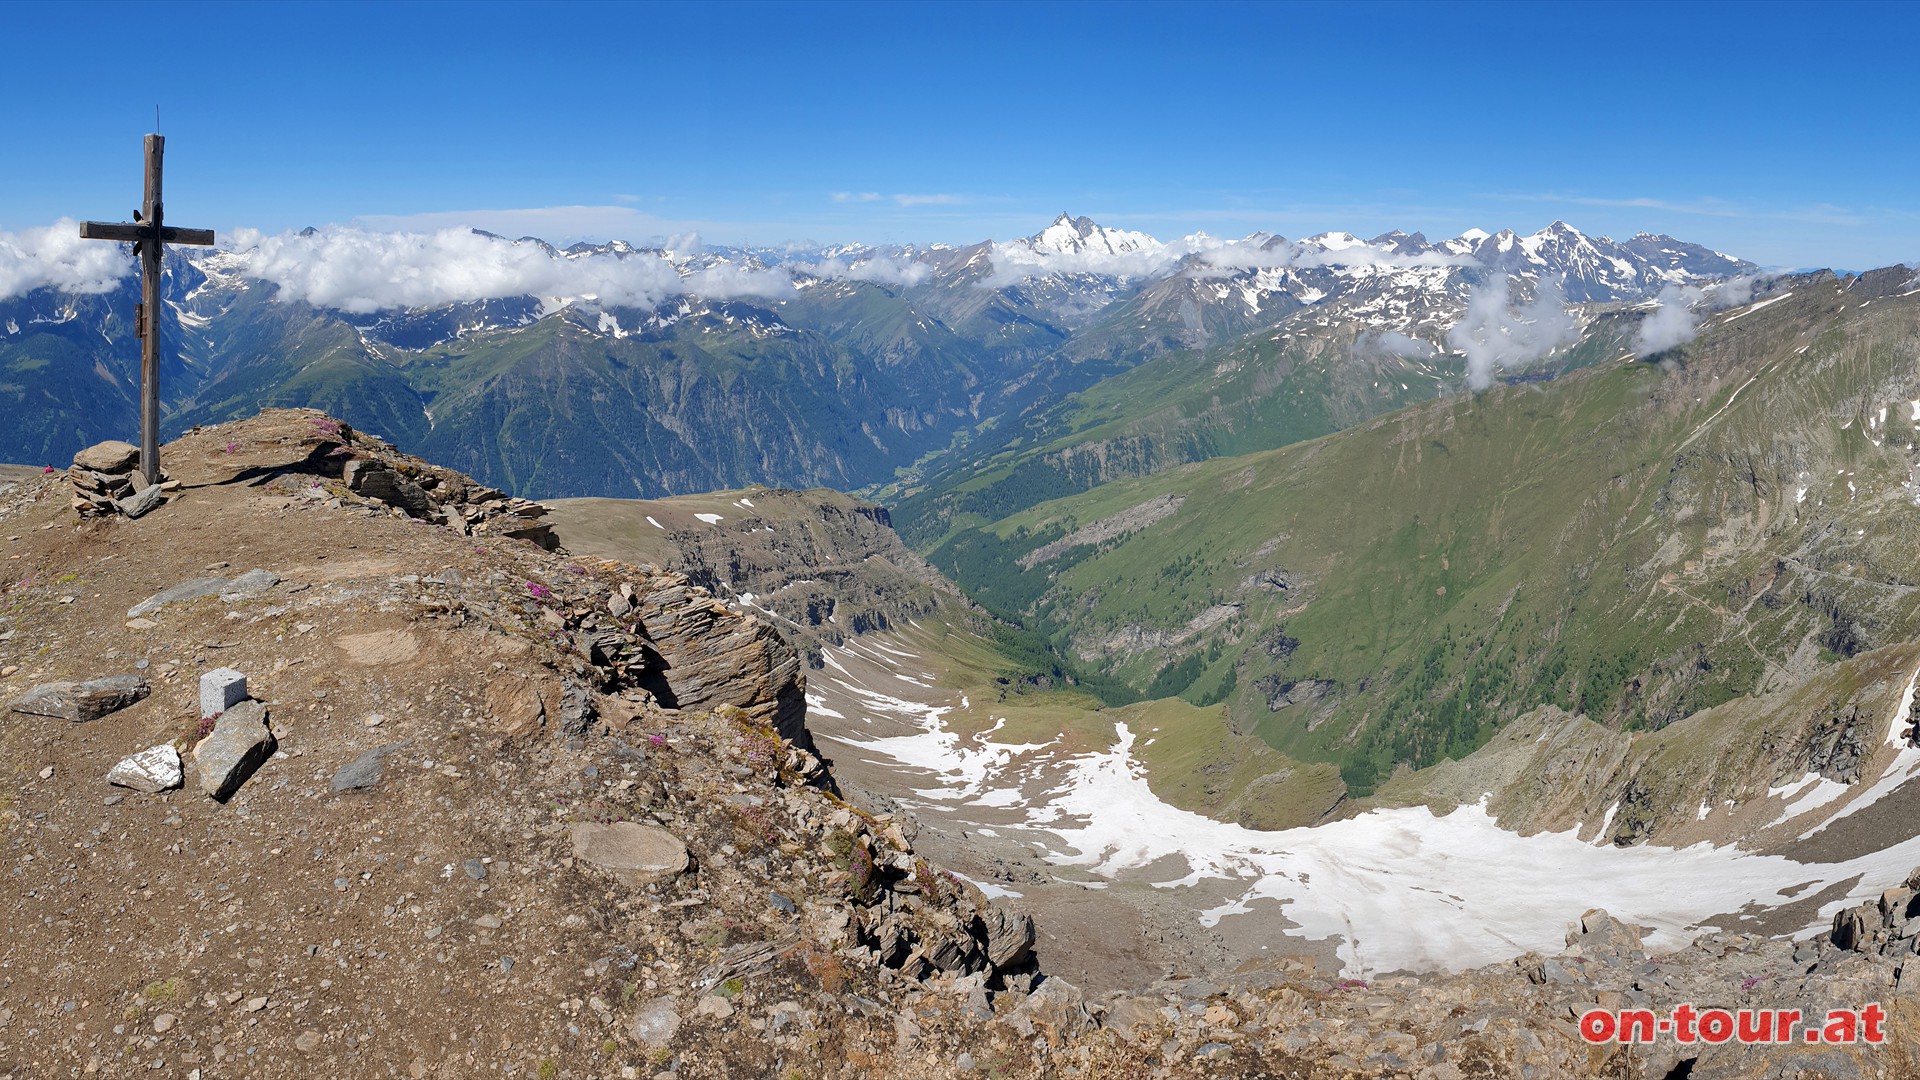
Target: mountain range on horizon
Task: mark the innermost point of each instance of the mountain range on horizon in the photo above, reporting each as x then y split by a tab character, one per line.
518	361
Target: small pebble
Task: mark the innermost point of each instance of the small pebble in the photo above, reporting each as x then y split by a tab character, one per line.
115	800
164	1023
506	964
474	869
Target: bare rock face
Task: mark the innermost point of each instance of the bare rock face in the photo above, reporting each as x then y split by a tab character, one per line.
241	742
716	657
83	701
152	770
635	854
430	493
1009	936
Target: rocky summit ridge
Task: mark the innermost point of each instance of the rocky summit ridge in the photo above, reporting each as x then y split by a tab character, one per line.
494	809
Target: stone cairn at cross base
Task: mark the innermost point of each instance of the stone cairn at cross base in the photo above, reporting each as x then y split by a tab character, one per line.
107	482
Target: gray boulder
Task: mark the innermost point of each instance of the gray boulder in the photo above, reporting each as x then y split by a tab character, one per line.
82	701
241	742
146	499
245	587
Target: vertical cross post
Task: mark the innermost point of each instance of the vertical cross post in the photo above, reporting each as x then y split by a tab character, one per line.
149	236
151	209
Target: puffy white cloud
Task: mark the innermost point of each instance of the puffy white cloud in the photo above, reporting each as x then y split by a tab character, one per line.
1671	323
359	271
56	257
856	196
1675	319
1730	293
1494	335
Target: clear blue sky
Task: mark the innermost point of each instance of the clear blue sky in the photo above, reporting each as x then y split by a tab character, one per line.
1782	133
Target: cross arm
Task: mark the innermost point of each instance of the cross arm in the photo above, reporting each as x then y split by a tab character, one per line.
197	237
104	230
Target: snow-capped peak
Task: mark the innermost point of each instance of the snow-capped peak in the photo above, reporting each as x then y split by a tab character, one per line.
1336	241
1076	236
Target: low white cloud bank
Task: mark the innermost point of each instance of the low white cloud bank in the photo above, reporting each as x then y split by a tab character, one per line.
1675	319
360	271
55	257
877	269
1497	336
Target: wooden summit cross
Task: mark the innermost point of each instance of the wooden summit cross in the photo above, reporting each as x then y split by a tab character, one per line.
148	235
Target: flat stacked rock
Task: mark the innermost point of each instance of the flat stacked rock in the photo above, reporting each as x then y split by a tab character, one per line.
107	482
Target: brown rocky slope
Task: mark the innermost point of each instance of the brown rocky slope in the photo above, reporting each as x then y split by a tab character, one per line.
531	815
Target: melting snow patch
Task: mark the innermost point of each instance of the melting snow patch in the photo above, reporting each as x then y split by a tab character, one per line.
965	766
1407	888
711	519
814	705
654	523
1810	792
991	890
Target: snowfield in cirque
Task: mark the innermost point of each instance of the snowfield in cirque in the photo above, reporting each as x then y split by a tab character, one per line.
1399	888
